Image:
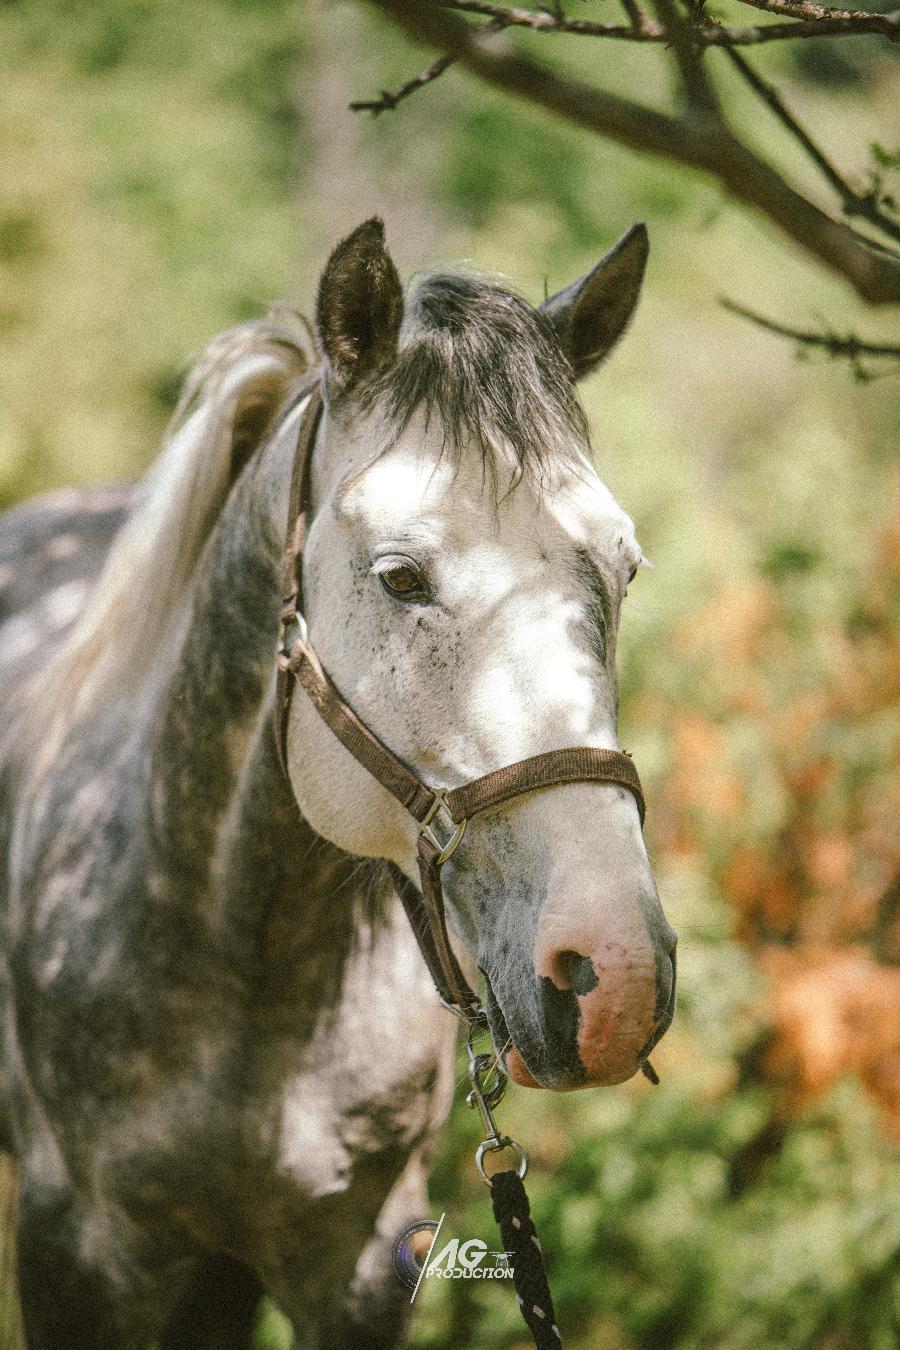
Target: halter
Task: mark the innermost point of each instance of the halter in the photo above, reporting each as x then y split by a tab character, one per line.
442	813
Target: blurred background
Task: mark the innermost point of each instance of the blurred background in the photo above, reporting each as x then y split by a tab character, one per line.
168	168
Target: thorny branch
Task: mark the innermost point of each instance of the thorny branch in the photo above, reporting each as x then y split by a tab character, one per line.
700	137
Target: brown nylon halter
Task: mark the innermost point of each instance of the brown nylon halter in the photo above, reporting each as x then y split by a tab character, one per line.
297	663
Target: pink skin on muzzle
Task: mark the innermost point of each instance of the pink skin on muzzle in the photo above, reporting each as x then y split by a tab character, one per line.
618	1016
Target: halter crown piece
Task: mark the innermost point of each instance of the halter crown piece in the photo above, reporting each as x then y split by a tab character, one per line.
442	815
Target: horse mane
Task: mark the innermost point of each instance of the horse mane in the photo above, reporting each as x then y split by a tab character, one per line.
231	399
477	358
488	367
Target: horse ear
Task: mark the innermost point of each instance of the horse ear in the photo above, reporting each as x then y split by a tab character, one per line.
592	314
359	306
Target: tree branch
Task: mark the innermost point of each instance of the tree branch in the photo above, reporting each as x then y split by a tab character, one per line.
837	23
698	141
863	205
805	9
683	38
850	347
633	12
390	98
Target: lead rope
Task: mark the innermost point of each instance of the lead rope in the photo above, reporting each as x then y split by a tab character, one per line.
521	1244
510	1203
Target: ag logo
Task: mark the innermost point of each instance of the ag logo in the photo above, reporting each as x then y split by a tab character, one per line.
417	1256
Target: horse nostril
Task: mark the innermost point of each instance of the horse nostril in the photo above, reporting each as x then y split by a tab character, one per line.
573	971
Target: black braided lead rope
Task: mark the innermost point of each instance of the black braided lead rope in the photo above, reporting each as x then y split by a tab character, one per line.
513	1215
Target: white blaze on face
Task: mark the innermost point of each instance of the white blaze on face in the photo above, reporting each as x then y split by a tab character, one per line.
498	665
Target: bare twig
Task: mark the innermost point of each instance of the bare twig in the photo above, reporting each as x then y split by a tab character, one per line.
845	24
884	25
863	205
545	21
805	9
704	144
850	347
390	98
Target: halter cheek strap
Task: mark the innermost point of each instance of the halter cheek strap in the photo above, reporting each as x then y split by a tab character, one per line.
442	813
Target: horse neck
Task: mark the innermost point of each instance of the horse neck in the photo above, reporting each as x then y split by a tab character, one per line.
307	925
224	814
201	717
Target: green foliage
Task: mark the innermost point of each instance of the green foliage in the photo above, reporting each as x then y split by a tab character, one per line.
150	151
648	1245
539	166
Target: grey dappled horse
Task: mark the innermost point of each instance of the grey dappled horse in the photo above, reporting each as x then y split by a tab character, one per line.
224	1062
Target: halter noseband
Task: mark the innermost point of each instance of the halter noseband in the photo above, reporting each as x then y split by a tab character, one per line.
442	813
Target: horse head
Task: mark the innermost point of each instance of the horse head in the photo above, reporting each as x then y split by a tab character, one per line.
464	570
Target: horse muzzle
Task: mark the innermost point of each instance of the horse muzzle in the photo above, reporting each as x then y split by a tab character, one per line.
587	1014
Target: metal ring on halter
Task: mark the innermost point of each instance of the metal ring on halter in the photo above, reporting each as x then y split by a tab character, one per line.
485	1065
289	630
427	829
497	1145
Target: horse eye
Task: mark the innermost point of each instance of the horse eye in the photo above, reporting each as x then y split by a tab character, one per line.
404	582
632	574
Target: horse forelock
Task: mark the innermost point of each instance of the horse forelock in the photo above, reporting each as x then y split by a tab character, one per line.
486	366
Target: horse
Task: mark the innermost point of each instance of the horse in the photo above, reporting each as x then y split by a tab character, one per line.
224	1064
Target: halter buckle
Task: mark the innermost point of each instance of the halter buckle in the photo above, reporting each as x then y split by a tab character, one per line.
427	830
